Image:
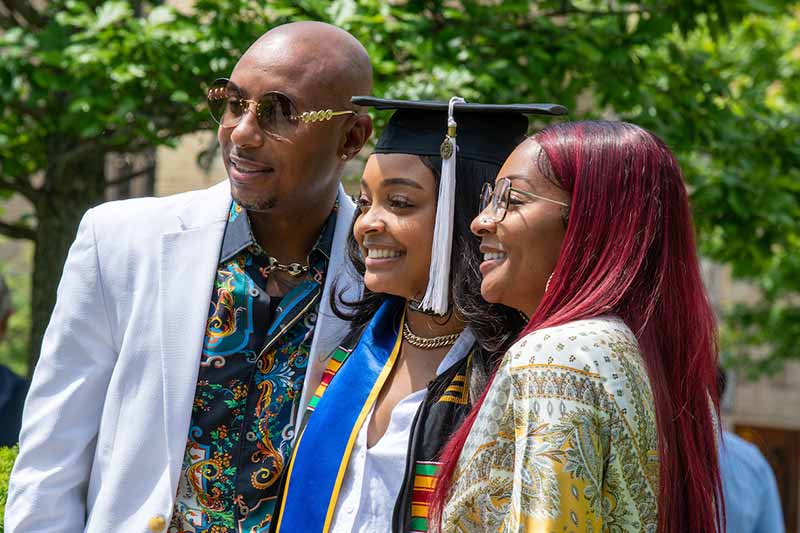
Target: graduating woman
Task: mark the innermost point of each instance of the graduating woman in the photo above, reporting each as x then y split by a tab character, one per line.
422	340
601	416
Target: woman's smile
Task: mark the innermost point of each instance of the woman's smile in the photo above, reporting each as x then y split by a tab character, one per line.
377	257
493	257
394	228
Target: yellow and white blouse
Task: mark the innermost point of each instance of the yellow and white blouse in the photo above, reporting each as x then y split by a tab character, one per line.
565	441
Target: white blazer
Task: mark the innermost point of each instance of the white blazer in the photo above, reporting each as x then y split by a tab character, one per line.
107	416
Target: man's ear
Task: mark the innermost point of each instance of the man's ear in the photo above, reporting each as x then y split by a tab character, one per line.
356	136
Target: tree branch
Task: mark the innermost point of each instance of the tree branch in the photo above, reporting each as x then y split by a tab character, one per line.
567	8
572	10
30	111
21	9
130	175
17	231
7	21
23	187
64	158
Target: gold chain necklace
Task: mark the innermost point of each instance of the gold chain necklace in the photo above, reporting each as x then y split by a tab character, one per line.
293	269
428	343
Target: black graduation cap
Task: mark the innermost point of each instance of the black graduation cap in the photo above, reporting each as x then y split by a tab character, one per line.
479	132
486	132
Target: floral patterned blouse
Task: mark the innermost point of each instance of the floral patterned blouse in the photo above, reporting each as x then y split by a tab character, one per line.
565	441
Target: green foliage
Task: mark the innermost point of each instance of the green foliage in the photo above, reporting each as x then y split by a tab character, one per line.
717	80
100	78
7	457
14	347
746	173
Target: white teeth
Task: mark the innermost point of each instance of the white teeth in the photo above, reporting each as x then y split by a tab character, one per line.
493	256
377	253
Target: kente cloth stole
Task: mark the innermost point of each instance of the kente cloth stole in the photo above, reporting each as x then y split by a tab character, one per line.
426	476
338	357
438	417
314	476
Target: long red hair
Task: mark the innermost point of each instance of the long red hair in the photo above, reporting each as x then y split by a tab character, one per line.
629	250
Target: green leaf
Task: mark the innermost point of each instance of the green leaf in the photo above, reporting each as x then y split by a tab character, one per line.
161	15
180	97
112	12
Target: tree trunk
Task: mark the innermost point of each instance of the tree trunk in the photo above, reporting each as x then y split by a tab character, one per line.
67	193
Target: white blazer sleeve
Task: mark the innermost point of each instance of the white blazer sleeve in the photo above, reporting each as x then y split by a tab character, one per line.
47	491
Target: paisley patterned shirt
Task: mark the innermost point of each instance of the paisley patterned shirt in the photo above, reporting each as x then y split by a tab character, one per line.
565	441
252	367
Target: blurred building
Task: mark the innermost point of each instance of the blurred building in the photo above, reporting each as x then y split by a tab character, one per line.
765	412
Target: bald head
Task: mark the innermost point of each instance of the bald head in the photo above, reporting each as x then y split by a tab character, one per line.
318	67
320	55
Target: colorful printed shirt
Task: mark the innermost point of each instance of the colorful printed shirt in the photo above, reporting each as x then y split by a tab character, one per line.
252	367
566	439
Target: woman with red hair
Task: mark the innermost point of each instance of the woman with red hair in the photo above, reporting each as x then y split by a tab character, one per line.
602	416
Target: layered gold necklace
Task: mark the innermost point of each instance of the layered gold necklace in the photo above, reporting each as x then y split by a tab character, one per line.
428	343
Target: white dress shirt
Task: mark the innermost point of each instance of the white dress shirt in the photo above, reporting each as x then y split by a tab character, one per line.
374	475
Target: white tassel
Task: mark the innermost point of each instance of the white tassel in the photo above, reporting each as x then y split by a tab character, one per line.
436	298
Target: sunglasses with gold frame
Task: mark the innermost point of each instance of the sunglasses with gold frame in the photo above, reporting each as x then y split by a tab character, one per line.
275	112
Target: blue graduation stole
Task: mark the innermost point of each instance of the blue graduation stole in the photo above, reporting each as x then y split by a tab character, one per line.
322	452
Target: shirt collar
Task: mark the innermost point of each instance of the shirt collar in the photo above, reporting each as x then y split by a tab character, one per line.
460	350
239	235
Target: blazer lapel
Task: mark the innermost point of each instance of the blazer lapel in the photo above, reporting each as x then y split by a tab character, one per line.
330	329
189	259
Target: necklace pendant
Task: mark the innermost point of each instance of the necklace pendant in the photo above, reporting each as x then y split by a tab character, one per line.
296	269
293	269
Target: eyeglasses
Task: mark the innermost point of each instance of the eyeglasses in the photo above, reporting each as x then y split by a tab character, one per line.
494	202
274	111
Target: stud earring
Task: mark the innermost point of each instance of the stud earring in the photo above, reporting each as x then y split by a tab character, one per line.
344	157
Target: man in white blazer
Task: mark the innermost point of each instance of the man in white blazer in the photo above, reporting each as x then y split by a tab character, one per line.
178	360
